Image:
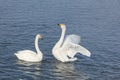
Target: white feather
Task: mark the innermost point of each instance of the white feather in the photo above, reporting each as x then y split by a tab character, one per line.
73	38
71	46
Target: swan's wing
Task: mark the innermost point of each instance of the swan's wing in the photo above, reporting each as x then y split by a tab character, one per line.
26	55
71	46
73	38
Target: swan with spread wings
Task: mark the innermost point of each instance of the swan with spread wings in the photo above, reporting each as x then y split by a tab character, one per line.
66	49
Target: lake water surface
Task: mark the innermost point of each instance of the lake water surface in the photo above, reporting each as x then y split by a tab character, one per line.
96	21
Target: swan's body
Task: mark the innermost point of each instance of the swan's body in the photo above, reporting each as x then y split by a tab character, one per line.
31	56
65	50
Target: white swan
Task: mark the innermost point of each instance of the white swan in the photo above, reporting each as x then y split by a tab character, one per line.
65	50
31	56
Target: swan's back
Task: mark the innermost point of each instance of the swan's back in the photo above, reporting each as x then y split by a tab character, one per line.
27	55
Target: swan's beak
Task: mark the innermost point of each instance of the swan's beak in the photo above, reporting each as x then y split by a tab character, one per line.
59	25
41	37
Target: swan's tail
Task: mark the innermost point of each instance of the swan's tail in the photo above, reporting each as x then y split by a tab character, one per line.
16	54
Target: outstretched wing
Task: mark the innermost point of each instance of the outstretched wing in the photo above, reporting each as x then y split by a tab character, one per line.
71	46
72	38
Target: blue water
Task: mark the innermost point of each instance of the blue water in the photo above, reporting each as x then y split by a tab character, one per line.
96	21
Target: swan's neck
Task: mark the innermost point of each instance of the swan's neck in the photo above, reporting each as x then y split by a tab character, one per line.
39	53
59	43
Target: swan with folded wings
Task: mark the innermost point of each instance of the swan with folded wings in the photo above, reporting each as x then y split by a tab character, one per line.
29	55
66	49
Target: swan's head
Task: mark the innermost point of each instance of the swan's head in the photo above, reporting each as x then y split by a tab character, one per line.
62	26
39	36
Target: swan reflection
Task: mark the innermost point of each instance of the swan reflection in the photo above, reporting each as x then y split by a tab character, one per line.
30	69
67	71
